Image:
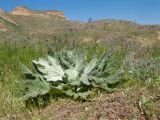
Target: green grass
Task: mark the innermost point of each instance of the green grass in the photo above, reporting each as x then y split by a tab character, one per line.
10	75
143	61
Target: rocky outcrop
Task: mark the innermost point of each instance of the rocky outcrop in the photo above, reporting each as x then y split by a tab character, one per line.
5	17
57	13
21	11
27	12
2	26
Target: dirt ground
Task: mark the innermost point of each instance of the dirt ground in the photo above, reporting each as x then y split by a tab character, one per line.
122	105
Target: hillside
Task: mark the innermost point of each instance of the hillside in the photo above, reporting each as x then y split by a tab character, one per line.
30	20
28	12
34	25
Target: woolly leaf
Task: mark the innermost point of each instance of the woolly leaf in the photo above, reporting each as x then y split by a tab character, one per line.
27	73
50	70
35	88
87	71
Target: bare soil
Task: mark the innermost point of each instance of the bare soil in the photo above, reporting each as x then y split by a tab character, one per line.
122	105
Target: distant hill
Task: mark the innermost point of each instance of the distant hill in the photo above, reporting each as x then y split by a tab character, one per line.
32	25
30	20
28	12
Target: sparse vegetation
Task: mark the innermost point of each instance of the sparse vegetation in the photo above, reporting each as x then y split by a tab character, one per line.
131	62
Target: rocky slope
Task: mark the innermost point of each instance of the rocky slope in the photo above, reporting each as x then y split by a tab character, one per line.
5	16
3	27
27	12
26	20
4	19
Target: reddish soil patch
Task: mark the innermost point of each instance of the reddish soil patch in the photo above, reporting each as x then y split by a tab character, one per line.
3	27
114	106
